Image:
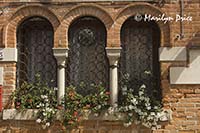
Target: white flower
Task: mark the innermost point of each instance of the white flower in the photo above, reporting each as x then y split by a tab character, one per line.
127	124
53	112
124	93
110	110
159	115
147	104
141	113
141	93
99	106
47	104
147	99
46	100
101	93
137	110
126	76
149	118
143	86
44	113
96	114
38	120
131	107
149	107
55	88
147	72
41	105
115	105
152	113
48	109
130	114
145	113
124	88
133	100
106	114
44	96
47	124
155	107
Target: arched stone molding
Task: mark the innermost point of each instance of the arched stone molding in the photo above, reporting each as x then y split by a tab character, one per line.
10	30
77	12
141	8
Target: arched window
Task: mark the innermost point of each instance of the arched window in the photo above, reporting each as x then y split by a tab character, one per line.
140	47
87	62
35	54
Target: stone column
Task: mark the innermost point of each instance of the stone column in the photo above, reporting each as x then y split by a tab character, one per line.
61	54
113	56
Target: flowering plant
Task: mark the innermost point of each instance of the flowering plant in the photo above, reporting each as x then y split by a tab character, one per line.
76	104
37	95
136	105
140	108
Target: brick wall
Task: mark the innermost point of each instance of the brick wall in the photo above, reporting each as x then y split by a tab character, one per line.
183	100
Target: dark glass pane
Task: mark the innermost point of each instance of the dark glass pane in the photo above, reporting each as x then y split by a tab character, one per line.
35	54
140	45
87	61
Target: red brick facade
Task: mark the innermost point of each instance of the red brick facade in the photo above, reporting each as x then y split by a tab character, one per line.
183	100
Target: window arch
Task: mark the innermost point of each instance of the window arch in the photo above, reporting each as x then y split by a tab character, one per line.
140	43
87	62
35	54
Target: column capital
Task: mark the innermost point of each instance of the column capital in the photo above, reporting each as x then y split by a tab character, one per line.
113	54
60	54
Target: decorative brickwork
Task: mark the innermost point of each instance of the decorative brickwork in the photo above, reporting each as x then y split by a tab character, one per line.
80	11
19	16
141	8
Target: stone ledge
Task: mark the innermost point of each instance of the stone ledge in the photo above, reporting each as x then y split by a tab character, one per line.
31	114
8	55
190	74
172	54
13	114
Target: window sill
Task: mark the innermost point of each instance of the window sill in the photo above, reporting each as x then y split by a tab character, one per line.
31	114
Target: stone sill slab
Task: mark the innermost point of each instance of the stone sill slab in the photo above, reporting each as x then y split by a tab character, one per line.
31	114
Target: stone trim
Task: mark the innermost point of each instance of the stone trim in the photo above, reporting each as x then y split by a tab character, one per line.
190	74
31	114
9	55
60	54
172	54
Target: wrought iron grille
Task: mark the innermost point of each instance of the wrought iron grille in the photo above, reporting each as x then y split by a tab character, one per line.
35	54
140	43
87	63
